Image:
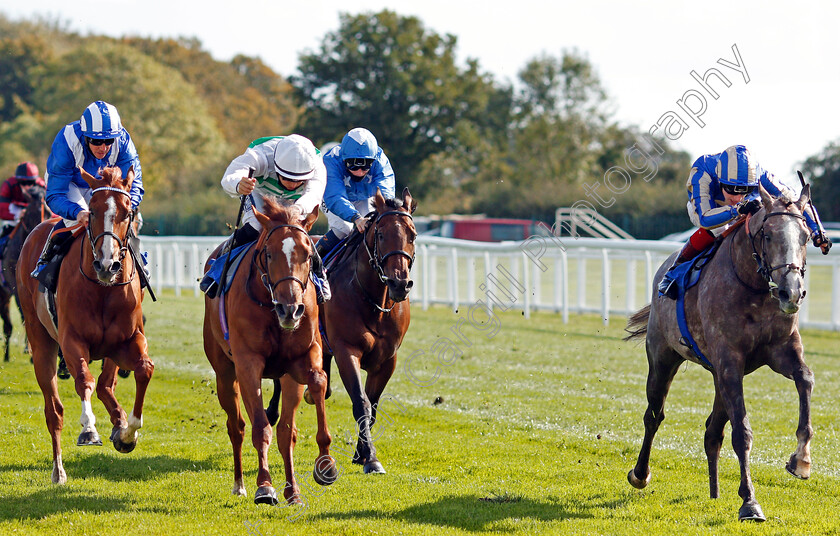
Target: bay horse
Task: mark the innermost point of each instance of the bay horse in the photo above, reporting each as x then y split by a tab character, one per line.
369	313
35	212
98	311
743	314
272	316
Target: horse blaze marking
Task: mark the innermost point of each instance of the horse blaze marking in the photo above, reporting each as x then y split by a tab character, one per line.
108	219
288	248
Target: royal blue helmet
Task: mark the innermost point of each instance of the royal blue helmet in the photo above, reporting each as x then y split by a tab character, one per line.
358	143
101	121
737	168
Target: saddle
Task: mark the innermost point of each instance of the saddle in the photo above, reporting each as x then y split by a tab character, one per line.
211	283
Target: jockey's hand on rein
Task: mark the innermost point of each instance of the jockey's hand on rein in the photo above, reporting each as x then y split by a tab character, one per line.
749	207
823	242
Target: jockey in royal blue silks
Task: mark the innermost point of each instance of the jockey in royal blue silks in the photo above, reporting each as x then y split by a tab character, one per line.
721	188
355	170
285	167
95	141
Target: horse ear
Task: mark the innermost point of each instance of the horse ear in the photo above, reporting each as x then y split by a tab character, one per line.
804	197
379	201
409	201
88	178
129	178
766	198
309	220
264	220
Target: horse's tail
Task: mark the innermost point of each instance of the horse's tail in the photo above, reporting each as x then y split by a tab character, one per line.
637	325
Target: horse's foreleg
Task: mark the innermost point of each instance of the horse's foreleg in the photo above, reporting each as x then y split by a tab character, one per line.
731	385
292	393
251	390
348	367
136	355
325	471
662	366
713	440
105	385
77	363
7	322
799	464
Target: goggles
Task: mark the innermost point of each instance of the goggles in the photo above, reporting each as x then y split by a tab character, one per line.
736	189
355	164
97	142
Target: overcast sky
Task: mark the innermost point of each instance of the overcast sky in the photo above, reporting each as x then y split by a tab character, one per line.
644	54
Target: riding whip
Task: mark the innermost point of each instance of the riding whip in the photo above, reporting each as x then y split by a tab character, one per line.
813	210
229	245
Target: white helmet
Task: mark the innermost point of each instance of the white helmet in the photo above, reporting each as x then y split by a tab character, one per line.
295	158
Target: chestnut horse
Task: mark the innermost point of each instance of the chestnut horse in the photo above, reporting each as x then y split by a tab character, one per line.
35	212
98	310
743	314
273	332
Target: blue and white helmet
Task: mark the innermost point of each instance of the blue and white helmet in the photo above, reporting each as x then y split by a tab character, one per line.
737	168
101	121
358	143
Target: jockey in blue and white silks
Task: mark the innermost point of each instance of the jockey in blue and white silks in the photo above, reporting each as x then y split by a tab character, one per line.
95	141
355	170
721	188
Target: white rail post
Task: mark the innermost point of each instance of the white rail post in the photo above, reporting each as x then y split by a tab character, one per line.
424	250
605	287
526	299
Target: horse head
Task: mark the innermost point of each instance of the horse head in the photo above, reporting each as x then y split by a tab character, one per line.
779	247
36	209
110	221
390	243
284	256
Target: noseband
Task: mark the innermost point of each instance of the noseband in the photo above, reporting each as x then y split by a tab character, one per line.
260	260
765	269
375	260
121	242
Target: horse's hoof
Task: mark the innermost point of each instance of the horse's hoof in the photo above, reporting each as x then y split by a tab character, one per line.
89	439
265	495
374	467
798	469
635	482
751	511
123	373
307	397
325	472
294	500
58	477
63	373
119	444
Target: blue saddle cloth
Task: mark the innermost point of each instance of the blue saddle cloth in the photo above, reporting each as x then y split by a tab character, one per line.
686	275
218	264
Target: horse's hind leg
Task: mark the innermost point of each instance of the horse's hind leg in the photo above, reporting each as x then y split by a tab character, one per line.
662	366
7	322
272	412
713	440
105	392
287	435
227	390
43	354
325	472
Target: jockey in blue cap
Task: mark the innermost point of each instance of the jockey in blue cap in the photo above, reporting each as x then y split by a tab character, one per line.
95	141
721	188
355	170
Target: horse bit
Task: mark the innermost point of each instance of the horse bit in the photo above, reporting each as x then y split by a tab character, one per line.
265	277
764	269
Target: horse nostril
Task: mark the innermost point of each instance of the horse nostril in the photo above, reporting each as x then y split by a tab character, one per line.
784	295
409	284
115	267
299	310
281	310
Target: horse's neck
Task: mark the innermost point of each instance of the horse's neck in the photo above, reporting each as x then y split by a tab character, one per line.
367	277
743	262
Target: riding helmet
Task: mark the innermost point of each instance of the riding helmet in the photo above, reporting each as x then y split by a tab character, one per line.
295	158
101	121
737	168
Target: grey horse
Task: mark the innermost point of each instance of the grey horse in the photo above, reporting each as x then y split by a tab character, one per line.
743	314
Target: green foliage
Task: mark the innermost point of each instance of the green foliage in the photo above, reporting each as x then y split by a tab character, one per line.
823	172
390	74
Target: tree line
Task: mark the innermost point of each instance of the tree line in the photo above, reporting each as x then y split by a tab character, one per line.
463	141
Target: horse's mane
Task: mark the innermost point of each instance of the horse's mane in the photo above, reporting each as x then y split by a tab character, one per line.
277	209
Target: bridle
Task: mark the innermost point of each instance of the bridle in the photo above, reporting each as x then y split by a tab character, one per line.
376	261
121	242
764	268
260	260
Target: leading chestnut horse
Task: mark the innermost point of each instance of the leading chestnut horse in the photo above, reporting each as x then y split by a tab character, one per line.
273	333
743	314
98	309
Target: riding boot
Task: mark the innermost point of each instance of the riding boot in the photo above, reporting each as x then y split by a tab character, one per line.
46	269
326	244
241	236
668	285
319	277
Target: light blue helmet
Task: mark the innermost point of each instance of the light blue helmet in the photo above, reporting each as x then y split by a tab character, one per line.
101	121
737	168
358	143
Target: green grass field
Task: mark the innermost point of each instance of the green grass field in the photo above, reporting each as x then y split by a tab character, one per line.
536	426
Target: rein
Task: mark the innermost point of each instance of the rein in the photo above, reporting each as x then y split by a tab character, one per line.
765	269
260	261
121	242
376	261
